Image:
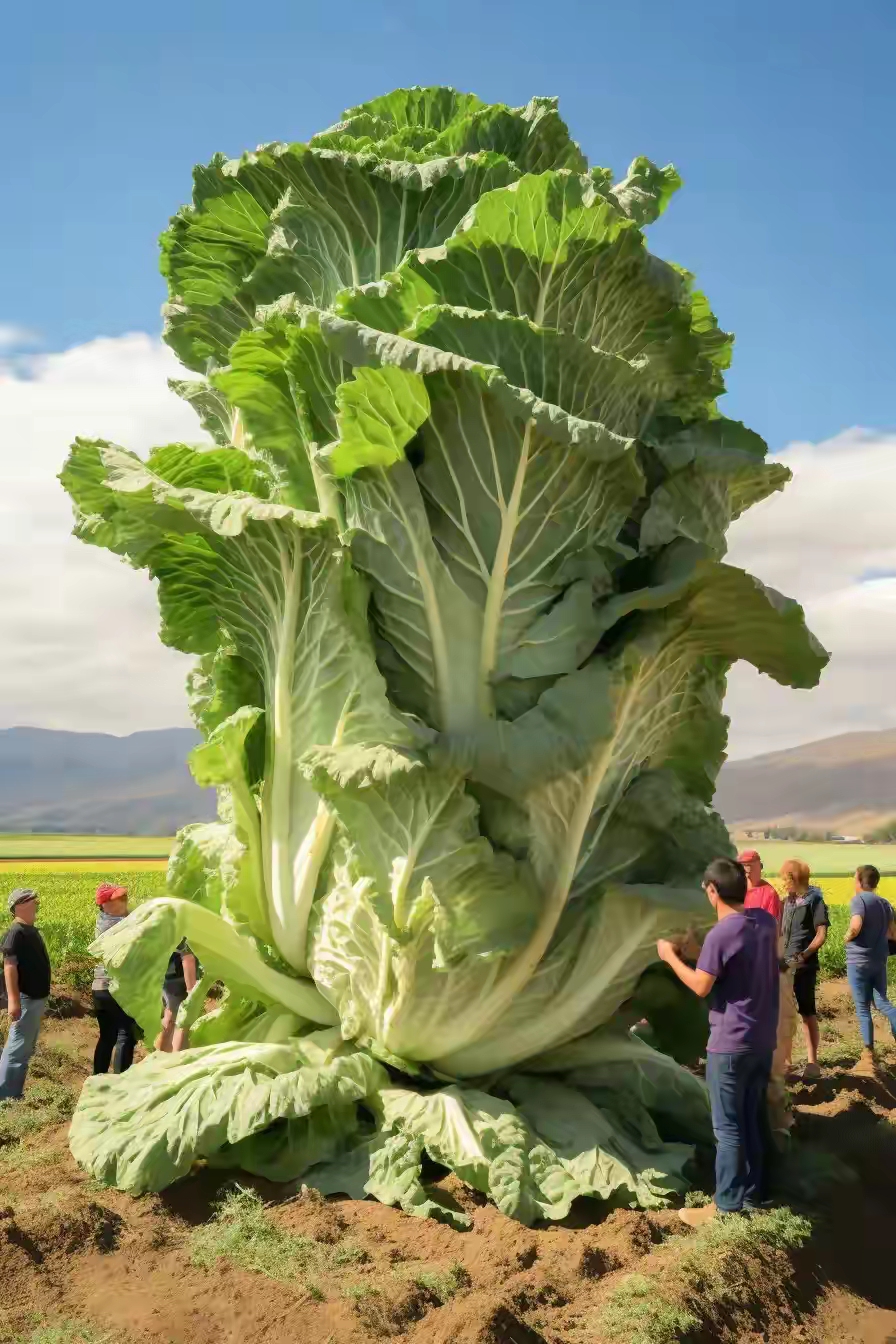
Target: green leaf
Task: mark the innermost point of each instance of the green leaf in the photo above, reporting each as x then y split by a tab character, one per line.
597	1154
378	413
238	1019
136	954
268	582
716	471
397	993
532	1159
558	249
206	865
291	219
288	1148
215	415
415	835
614	1063
602	945
221	761
646	190
514	488
143	1129
389	1167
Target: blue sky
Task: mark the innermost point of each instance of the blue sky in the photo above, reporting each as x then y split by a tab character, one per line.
780	117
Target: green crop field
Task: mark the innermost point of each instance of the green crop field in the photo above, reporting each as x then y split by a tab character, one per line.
56	849
68	910
823	859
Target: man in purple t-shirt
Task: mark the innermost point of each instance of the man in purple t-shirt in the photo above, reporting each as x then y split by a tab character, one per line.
738	968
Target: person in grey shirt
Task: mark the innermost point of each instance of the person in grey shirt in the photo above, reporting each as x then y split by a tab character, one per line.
871	925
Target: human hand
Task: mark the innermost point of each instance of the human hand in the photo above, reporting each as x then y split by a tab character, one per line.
14	1010
665	949
689	945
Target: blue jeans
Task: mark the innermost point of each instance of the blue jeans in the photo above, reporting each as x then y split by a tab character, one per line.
19	1047
869	985
737	1087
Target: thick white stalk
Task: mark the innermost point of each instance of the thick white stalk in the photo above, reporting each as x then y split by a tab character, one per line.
287	936
306	871
329	500
246	816
497	584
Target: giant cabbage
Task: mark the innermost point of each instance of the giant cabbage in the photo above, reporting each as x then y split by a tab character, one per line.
452	570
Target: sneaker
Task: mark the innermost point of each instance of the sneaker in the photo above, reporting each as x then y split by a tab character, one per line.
758	1205
811	1071
698	1217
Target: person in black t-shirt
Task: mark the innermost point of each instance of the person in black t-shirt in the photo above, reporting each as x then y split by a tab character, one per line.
804	928
26	971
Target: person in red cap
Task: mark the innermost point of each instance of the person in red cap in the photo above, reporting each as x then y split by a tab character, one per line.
762	894
118	1031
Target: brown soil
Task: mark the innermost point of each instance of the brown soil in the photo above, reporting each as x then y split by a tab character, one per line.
72	1251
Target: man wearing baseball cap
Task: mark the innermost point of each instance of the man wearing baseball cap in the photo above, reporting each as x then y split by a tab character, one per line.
118	1031
26	971
760	894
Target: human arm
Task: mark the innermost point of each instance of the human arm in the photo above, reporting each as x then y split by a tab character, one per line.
188	962
855	928
699	982
857	918
821	921
818	941
13	999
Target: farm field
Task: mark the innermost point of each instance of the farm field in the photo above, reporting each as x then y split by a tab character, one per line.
824	859
41	847
68	910
839	890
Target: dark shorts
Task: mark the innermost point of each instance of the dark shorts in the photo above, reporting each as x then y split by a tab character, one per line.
173	994
804	979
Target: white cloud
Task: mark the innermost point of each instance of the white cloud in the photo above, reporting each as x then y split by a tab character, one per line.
13	337
80	643
829	541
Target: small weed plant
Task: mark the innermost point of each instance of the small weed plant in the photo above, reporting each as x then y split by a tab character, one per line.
443	1284
46	1102
65	1332
242	1232
639	1314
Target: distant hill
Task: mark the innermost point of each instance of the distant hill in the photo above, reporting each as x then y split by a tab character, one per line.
140	785
845	784
94	782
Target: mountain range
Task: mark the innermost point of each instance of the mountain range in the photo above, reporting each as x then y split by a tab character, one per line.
845	784
140	785
94	782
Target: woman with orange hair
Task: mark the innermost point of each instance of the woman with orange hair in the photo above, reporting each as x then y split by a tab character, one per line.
804	928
